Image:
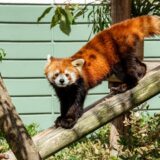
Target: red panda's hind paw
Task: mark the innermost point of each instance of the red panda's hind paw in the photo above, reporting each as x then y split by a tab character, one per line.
119	89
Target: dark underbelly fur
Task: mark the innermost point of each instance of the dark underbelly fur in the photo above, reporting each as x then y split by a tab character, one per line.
71	103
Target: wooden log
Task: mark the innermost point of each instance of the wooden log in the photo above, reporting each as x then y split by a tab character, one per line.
53	139
15	133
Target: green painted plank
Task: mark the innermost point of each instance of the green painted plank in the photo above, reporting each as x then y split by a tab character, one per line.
63	49
92	99
154	103
32	87
152	49
33	104
22	87
22	13
25	68
27	50
29	13
150	112
100	89
80	32
44	121
25	32
35	69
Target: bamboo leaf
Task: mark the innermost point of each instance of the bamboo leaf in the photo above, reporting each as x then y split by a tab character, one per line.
55	20
2	54
69	15
46	11
78	14
65	25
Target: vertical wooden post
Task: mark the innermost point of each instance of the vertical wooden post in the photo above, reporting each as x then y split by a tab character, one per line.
120	10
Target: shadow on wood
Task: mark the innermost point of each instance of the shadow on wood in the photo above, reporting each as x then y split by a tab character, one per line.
52	140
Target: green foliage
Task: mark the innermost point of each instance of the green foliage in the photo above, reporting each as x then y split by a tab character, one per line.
64	16
99	15
144	7
32	129
45	12
142	140
3	143
2	54
92	147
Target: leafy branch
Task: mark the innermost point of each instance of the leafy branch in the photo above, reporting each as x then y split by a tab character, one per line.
64	16
2	54
99	15
144	7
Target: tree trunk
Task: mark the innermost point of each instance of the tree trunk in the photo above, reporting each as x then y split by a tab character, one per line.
120	10
53	139
15	133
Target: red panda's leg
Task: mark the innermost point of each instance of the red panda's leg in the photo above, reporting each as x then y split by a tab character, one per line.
75	110
135	70
72	100
130	70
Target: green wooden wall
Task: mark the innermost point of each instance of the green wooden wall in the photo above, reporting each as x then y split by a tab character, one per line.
27	45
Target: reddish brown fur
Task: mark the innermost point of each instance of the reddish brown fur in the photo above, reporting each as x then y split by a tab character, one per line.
61	65
108	47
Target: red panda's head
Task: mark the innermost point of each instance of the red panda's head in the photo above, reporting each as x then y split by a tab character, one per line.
63	72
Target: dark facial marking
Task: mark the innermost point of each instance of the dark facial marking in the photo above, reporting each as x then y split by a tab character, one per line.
92	56
88	64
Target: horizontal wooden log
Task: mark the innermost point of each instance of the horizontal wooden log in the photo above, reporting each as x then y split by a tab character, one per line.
52	140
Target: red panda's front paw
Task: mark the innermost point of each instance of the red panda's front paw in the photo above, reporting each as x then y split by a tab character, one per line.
68	122
58	122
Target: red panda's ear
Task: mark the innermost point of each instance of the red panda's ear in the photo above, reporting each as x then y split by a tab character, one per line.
49	58
78	63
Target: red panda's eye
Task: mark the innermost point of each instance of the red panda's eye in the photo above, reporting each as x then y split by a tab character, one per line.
56	74
67	75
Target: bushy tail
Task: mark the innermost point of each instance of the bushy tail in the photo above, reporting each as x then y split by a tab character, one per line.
127	33
149	25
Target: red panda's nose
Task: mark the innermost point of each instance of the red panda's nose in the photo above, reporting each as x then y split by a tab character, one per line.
61	81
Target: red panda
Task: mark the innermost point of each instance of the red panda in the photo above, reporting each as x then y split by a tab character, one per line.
111	51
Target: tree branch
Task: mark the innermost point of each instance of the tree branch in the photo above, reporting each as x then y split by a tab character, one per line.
15	133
